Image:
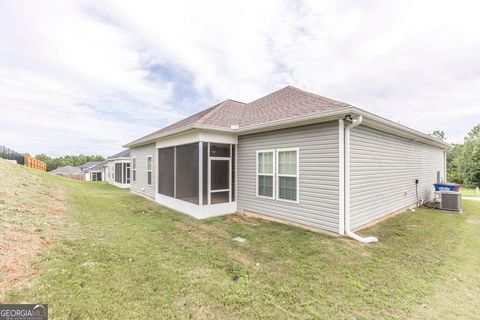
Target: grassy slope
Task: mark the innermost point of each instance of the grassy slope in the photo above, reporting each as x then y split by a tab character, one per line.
32	210
123	255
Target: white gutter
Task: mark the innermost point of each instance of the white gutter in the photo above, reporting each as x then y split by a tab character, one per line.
349	232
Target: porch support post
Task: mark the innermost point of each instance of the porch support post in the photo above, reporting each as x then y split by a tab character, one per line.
200	173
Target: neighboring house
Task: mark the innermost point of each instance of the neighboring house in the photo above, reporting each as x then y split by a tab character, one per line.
69	172
117	169
95	172
88	165
92	171
292	156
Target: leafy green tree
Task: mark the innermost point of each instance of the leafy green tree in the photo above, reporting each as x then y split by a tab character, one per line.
470	159
68	160
454	156
439	134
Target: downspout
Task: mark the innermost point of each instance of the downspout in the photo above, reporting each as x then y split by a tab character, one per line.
348	231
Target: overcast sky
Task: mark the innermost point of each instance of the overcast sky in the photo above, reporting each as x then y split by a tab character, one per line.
89	76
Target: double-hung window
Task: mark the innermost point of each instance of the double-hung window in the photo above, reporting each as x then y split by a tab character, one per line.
134	169
265	173
149	170
287	173
277	174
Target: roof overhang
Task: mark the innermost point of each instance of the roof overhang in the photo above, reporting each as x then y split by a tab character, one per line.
114	159
398	129
370	120
170	134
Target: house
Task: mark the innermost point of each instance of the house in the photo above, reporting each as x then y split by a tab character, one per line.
88	165
292	156
117	169
93	170
69	172
95	173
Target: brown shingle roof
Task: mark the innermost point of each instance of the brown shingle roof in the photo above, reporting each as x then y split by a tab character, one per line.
285	103
219	115
121	154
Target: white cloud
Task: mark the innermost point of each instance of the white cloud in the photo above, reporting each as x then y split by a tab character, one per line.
67	79
78	74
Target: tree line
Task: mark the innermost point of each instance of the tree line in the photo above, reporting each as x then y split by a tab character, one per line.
68	160
463	159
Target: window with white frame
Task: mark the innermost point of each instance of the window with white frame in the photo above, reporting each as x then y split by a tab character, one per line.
287	174
134	169
265	173
149	170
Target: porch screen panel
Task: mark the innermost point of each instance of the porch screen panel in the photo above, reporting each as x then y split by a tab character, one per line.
219	172
186	182
118	172
166	172
220	197
219	150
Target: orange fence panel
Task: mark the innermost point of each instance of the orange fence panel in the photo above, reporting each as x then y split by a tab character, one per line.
35	164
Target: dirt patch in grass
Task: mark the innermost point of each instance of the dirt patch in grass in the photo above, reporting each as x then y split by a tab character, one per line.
244	219
17	249
473	221
31	212
201	230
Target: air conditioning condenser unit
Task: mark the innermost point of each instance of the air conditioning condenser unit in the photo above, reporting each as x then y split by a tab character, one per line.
451	200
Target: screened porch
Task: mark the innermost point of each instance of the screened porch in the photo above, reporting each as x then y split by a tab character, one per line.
197	178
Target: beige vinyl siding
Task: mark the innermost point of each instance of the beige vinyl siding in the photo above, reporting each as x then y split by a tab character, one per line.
140	184
318	205
383	172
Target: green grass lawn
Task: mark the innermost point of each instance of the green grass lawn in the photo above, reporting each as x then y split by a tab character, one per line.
469	192
121	256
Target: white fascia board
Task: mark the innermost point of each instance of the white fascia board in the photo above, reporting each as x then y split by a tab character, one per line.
177	139
153	138
218	137
221	134
196	136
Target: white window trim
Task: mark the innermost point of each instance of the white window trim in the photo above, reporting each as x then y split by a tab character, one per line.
265	174
133	178
277	189
147	171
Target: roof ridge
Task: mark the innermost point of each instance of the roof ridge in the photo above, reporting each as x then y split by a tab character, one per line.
274	92
216	108
315	95
233	100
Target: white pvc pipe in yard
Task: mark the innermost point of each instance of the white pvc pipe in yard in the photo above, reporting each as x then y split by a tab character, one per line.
349	232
